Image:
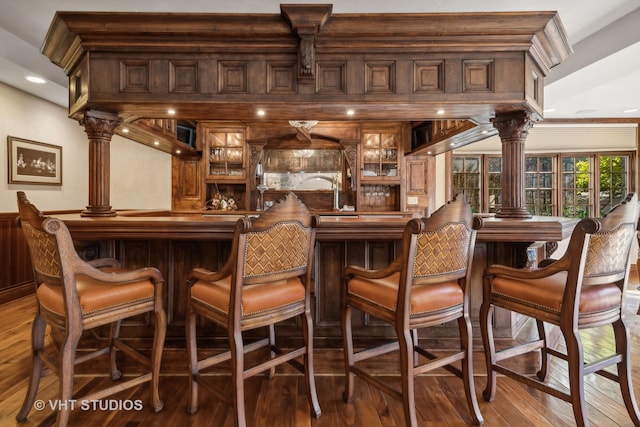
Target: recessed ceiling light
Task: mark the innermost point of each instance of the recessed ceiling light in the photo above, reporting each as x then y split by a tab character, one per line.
171	111
350	112
632	110
156	143
178	151
440	112
36	79
125	130
261	113
484	132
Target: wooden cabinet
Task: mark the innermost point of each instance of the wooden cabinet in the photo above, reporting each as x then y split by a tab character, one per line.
225	153
225	162
380	160
167	127
187	189
419	178
380	156
159	134
371	167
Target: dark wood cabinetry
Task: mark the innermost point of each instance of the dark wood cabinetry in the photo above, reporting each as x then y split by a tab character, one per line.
224	151
381	168
225	163
369	167
470	71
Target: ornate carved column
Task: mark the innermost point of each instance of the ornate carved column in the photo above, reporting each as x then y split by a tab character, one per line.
256	155
99	127
513	130
350	152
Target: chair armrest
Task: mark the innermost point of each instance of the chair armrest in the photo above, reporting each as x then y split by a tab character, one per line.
104	262
553	267
149	273
206	275
546	262
352	270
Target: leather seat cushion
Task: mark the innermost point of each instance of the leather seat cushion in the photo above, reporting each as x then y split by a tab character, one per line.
96	295
424	298
547	293
256	298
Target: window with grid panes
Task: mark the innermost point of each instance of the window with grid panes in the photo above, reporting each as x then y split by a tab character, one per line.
539	185
466	179
494	170
576	186
614	181
575	180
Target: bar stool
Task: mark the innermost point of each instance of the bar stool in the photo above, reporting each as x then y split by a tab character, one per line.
583	289
426	285
74	296
265	280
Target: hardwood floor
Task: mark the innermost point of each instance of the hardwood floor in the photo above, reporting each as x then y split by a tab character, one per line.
281	401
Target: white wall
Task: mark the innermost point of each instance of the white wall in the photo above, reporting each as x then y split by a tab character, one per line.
569	138
140	176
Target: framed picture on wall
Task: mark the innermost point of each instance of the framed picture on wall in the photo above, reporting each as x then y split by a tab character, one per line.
32	162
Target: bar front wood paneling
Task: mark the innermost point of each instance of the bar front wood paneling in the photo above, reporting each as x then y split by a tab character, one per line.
176	243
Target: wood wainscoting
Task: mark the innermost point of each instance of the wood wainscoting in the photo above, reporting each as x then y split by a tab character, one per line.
16	275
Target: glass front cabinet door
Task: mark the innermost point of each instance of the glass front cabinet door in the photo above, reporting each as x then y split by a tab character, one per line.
379	188
225	151
380	155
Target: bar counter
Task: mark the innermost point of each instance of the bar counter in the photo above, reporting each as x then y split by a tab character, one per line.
176	242
218	225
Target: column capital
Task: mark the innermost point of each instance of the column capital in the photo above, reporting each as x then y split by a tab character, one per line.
98	124
513	126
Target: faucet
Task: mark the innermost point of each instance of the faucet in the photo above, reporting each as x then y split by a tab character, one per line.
336	193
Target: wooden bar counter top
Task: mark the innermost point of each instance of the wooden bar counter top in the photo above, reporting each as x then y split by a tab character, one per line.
177	241
217	225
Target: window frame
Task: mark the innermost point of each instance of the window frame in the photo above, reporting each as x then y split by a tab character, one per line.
557	183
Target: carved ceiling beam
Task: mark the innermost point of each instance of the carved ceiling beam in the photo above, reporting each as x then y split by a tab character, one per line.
306	21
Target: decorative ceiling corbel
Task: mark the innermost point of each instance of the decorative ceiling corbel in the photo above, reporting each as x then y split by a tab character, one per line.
306	20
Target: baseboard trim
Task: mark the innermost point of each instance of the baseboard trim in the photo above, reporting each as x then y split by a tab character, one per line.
15	292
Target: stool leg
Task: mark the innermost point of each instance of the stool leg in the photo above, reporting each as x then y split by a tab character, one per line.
192	354
621	333
347	340
307	331
406	377
486	330
544	355
114	333
576	376
271	330
37	345
156	356
237	376
466	345
67	366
